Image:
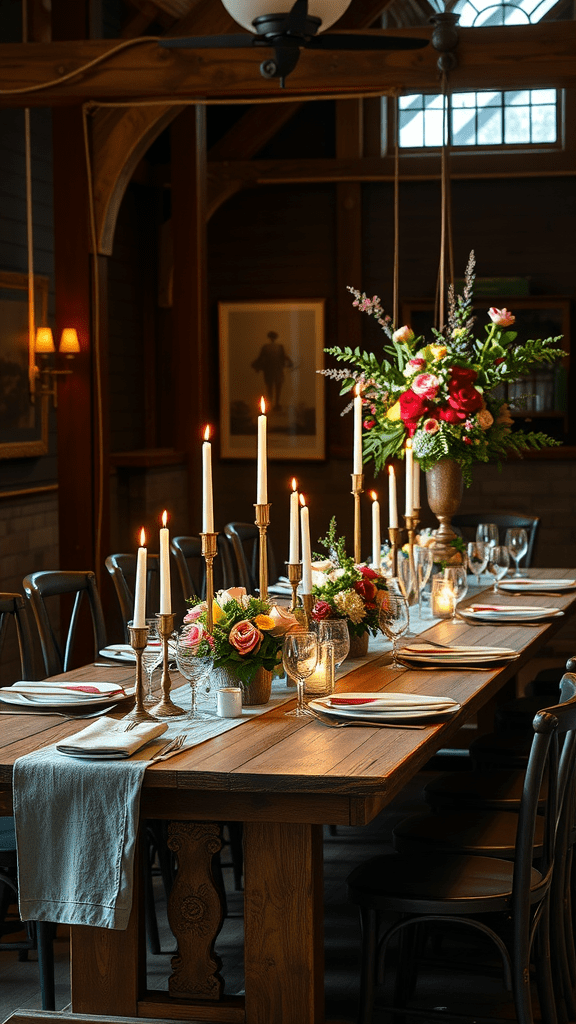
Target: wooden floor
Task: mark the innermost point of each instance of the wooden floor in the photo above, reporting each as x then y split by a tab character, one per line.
19	986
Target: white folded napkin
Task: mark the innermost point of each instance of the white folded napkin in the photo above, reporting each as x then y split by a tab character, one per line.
47	691
364	702
106	738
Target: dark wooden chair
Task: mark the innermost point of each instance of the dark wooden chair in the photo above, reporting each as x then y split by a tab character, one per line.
245	541
187	554
39	935
466	523
480	891
39	587
122	569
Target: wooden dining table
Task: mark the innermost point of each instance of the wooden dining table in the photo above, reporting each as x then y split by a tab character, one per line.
284	778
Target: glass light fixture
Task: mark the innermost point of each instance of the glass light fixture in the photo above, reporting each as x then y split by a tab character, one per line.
45	375
44	341
246	11
69	344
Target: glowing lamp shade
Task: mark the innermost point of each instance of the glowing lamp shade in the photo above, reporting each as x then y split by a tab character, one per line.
44	340
245	11
69	344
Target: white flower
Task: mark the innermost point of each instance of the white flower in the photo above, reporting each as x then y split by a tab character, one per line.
350	604
233	594
336	574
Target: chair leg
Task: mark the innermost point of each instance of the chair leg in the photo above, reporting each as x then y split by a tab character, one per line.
45	932
410	945
369	924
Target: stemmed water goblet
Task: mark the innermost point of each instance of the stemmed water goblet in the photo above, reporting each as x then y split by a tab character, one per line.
477	552
299	656
151	658
487	533
457	576
335	631
423	562
194	668
394	620
516	541
498	563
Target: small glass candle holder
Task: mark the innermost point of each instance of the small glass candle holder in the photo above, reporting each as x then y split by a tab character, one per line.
443	598
321	682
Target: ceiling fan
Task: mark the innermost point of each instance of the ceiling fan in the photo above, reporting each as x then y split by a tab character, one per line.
287	32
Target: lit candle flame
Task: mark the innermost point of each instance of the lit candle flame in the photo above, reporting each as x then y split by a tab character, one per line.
207	432
263	406
294	484
302	501
164	518
408	443
142	538
373	495
356	389
390	470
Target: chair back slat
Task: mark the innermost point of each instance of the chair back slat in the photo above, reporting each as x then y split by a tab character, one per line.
122	568
13	610
39	586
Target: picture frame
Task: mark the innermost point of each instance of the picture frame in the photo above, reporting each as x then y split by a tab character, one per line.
272	349
23	424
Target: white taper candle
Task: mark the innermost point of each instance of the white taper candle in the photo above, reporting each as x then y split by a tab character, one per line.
306	549
376	541
357	463
409	456
207	494
392	500
165	597
139	619
294	550
262	471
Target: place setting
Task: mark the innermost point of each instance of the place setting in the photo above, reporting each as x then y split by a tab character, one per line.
429	655
390	709
504	614
45	696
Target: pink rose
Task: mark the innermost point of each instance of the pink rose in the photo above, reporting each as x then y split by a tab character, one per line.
194	636
194	613
232	594
284	621
245	637
321	610
368	424
404	334
415	364
501	317
426	385
431	425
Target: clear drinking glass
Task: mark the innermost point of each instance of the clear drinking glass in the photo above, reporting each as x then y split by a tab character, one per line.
488	534
498	564
423	563
477	552
516	541
151	658
407	579
299	655
194	668
336	632
458	578
394	620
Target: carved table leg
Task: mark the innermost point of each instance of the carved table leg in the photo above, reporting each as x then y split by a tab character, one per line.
195	911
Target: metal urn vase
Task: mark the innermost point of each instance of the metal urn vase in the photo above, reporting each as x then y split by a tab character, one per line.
444	485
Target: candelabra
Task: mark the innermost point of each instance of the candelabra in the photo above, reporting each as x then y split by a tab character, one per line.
294	577
166	708
263	522
138	640
357	489
393	534
209	552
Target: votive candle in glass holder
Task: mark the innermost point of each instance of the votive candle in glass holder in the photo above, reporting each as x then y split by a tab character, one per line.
321	682
443	598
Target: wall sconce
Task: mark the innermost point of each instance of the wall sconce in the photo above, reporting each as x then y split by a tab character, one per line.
44	348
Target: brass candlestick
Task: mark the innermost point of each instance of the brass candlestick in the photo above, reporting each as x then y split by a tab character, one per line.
308	602
393	534
209	552
263	522
357	489
138	641
294	577
411	526
166	708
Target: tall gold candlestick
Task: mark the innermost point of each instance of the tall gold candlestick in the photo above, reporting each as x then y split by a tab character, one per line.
394	534
411	526
209	552
294	577
308	602
357	490
166	708
263	522
138	641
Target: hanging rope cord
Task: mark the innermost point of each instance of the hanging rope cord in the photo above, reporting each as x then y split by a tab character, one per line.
446	240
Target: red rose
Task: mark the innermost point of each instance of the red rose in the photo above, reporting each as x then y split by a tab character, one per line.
464	397
461	375
412	407
369	573
365	589
321	610
450	415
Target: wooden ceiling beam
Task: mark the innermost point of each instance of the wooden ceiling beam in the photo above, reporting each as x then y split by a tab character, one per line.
362	14
512	57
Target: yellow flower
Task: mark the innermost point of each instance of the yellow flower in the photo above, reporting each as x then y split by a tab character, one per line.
437	351
217	612
393	412
264	621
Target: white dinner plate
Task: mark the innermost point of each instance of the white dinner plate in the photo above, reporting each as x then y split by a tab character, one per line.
58	703
533	586
95	757
504	614
118	652
388	701
383	716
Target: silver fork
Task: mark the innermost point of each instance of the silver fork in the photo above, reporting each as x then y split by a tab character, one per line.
333	724
171	747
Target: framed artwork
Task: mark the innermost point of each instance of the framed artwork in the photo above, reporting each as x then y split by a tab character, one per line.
272	349
23	424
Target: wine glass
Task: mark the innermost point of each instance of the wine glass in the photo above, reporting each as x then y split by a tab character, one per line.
194	668
336	632
151	658
394	620
407	580
498	563
516	541
487	533
458	578
477	552
299	655
423	562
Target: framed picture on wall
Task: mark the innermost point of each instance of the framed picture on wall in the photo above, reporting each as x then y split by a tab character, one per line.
272	349
23	424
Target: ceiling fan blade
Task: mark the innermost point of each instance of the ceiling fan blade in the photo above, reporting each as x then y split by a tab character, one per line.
234	41
337	41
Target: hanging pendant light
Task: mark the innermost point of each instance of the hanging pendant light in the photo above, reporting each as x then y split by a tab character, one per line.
247	12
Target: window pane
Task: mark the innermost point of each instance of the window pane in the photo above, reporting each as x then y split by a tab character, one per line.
543	96
434	102
433	128
501	12
410	102
516	124
411	129
464	99
543	124
521	98
490	127
489	99
464	128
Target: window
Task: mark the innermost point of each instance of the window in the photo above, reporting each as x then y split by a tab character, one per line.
491	12
508	118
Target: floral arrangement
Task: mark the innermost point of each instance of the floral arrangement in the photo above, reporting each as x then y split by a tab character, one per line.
343	590
443	395
247	633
